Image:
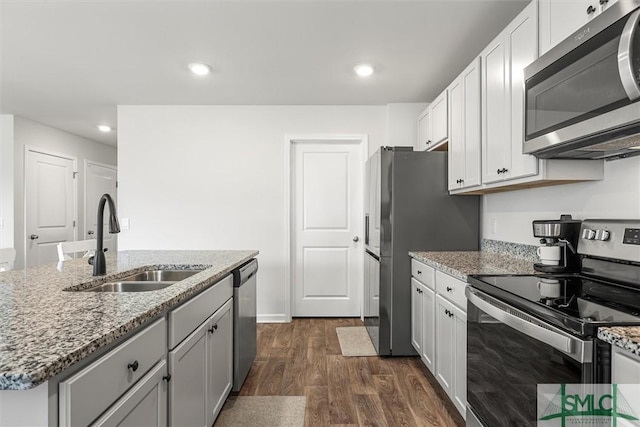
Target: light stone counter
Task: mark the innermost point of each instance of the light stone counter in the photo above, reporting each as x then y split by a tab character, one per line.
626	337
462	264
45	329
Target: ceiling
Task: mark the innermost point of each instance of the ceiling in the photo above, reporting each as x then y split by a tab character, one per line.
68	64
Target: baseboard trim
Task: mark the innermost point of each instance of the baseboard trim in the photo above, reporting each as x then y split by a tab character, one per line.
272	318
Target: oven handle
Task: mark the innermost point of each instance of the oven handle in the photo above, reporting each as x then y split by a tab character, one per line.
625	57
577	349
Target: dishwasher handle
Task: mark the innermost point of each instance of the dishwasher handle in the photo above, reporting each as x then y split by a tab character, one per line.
245	272
528	325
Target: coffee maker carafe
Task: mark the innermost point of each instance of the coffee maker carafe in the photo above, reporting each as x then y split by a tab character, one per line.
562	234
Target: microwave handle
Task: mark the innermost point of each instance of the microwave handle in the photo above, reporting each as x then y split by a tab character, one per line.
625	57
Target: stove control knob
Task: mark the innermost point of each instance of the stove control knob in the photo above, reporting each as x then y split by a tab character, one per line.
588	234
602	235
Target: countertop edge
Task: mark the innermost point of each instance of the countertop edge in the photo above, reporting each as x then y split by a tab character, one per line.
30	380
613	336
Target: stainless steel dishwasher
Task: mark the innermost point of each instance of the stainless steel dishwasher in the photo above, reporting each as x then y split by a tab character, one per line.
244	321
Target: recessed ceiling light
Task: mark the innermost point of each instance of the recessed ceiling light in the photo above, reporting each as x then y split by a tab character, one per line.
199	69
363	70
104	128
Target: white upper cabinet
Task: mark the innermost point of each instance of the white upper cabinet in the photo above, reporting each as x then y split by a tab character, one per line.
503	62
439	127
560	18
464	128
424	130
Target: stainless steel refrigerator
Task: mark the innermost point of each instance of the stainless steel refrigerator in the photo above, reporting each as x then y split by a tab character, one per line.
407	208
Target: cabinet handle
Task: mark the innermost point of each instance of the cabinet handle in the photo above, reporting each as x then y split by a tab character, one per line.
133	366
167	378
499	171
591	9
34	237
428	142
449	289
603	2
419	272
505	170
213	328
450	314
446	312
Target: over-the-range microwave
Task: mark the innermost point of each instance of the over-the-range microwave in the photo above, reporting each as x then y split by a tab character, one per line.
582	96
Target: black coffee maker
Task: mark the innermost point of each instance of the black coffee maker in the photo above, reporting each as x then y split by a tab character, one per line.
564	233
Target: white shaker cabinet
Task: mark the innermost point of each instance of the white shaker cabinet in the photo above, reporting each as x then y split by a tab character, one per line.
144	405
201	369
503	62
464	129
439	126
560	18
423	309
416	315
424	130
451	351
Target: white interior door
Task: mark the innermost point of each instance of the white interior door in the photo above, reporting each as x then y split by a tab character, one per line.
100	179
50	205
327	221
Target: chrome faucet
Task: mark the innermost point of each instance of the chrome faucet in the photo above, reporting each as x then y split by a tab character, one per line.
98	260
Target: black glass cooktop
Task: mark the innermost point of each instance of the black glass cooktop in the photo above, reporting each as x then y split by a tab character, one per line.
575	303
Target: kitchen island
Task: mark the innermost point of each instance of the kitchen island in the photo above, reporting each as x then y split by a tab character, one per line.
48	326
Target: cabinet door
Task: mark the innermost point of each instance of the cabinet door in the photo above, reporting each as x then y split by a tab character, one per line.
416	315
472	130
444	343
188	385
560	18
496	149
456	155
439	126
424	130
219	360
522	36
428	328
459	389
144	405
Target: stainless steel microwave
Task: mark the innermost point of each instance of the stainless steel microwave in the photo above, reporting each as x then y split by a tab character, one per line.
582	97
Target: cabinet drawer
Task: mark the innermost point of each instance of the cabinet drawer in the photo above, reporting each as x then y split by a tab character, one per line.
110	376
423	273
451	289
186	318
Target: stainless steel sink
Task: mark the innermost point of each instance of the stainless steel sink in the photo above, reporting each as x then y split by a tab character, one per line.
151	280
129	286
160	276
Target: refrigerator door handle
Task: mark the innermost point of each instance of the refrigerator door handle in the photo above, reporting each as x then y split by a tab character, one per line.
366	229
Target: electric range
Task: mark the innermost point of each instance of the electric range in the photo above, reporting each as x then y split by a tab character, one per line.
525	330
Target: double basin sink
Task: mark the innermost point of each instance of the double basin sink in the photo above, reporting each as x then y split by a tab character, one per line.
151	280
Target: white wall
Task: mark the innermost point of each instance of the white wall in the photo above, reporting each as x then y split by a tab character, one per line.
213	177
6	181
617	196
34	134
402	123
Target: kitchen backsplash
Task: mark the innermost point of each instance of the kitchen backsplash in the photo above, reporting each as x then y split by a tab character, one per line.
517	250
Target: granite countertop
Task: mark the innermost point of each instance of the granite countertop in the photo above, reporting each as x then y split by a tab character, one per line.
45	329
626	337
462	264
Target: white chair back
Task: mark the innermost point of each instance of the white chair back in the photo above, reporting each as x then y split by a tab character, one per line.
7	257
66	248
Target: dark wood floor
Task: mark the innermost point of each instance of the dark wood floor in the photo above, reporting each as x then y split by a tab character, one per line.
303	358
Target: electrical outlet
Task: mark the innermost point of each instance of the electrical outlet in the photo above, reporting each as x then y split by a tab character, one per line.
124	223
494	226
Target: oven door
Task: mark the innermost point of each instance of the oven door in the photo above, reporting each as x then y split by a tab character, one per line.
588	89
508	354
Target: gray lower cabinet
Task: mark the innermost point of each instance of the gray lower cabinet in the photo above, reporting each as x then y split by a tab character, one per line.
201	369
144	405
99	387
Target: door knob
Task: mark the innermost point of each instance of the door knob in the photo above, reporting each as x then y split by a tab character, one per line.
355	239
34	237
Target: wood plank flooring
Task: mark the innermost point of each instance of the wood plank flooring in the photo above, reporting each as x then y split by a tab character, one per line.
303	358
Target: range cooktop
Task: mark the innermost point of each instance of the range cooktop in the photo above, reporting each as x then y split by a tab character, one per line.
575	303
